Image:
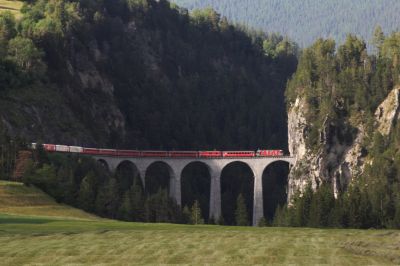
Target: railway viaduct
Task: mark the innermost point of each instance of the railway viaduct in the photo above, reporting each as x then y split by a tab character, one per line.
215	166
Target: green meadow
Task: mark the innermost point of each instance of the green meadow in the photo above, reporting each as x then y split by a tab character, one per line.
83	239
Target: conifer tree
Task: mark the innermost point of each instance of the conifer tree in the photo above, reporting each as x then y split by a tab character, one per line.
186	214
396	220
138	201
195	216
86	194
125	211
107	199
241	212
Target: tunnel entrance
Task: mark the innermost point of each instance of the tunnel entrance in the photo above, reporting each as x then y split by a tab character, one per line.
274	182
237	178
195	185
158	177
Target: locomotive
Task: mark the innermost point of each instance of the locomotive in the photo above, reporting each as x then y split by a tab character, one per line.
160	154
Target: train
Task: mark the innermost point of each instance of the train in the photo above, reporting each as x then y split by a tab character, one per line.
159	154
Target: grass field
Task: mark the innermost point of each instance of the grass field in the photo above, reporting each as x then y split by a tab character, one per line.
83	239
11	5
44	241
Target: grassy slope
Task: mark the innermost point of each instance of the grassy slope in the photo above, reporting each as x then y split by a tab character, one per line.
11	5
29	239
15	198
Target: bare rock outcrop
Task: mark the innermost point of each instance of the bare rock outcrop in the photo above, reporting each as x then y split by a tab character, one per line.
388	113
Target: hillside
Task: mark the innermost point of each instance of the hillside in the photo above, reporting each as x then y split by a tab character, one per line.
140	74
305	21
18	199
344	129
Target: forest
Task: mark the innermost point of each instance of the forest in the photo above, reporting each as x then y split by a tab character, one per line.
137	74
305	21
150	75
141	74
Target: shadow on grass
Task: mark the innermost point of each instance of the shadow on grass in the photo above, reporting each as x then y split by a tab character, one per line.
8	8
9	219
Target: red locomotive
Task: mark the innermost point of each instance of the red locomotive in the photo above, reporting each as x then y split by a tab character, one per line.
269	153
170	154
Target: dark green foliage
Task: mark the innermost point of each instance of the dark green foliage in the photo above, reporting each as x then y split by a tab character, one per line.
81	182
195	185
186	215
263	222
161	208
342	89
237	178
8	153
320	212
352	209
86	193
305	21
151	71
274	181
241	217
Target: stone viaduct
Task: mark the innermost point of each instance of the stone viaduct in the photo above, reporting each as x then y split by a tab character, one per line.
215	167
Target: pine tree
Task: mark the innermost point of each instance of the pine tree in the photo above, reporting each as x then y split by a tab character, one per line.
378	38
282	217
107	199
396	220
138	201
125	211
241	212
86	194
186	215
195	217
211	220
262	223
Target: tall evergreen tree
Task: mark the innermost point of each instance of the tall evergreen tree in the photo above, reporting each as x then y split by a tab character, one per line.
241	212
125	211
86	194
196	217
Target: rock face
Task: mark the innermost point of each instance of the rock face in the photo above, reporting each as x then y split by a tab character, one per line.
388	112
336	160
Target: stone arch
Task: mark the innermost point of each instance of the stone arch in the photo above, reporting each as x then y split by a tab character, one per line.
103	163
237	177
275	186
196	185
156	171
127	174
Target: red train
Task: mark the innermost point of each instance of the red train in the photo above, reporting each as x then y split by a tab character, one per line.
161	154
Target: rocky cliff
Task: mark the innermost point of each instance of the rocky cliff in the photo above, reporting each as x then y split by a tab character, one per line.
336	161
